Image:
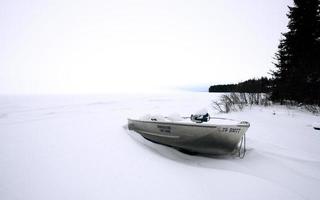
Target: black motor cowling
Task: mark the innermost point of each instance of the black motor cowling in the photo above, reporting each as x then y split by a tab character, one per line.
200	118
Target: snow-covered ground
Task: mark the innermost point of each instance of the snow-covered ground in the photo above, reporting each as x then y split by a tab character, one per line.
77	147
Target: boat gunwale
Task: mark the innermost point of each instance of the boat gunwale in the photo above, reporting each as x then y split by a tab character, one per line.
200	125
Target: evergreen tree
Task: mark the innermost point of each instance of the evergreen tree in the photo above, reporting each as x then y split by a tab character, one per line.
297	75
261	85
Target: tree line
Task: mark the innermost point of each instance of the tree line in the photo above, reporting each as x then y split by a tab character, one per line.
297	68
261	85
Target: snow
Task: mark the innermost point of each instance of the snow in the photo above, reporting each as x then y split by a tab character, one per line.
202	111
316	125
78	147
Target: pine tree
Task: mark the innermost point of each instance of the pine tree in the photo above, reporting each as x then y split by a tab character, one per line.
297	74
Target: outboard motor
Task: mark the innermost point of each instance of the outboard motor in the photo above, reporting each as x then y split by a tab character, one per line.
199	118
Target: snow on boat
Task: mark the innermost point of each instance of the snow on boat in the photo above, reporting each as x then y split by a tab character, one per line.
195	134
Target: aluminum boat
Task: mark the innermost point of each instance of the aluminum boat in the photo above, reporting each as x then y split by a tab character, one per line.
218	136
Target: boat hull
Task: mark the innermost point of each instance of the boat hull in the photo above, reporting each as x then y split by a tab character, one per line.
192	137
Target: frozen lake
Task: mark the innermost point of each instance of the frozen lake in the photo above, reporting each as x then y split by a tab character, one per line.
77	147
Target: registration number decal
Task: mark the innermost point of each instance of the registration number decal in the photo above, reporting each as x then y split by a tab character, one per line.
164	129
230	130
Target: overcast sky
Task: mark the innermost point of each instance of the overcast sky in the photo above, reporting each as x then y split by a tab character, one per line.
101	46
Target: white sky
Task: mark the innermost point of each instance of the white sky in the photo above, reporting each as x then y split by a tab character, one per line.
100	46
